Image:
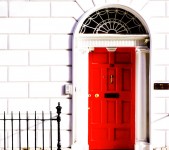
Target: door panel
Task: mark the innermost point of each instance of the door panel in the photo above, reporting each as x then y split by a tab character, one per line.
112	100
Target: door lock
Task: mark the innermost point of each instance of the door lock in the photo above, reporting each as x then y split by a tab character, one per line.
96	95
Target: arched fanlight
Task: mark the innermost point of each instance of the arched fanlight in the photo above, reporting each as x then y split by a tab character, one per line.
112	21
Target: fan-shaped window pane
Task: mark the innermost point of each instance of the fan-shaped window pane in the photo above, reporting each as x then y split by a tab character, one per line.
112	21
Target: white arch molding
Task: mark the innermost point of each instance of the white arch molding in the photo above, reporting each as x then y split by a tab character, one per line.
82	45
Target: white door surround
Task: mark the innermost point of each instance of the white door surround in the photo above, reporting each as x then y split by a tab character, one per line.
82	45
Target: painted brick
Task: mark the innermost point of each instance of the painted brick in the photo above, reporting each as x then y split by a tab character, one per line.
154	25
29	41
14	25
167	41
161	56
155	138
3	106
52	57
61	41
156	103
12	58
65	140
46	89
126	2
72	9
138	5
61	73
29	105
52	25
29	9
167	73
3	9
3	41
167	139
161	121
167	2
115	1
159	41
98	2
3	74
150	9
9	90
65	123
67	103
167	105
159	73
83	5
29	73
160	93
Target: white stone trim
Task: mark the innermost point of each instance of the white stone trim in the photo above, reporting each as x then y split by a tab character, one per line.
89	40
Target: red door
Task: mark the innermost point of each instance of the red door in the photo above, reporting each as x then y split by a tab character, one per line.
112	99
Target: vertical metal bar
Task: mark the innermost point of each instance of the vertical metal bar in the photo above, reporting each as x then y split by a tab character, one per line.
27	129
19	130
58	121
4	131
35	130
43	129
50	130
12	127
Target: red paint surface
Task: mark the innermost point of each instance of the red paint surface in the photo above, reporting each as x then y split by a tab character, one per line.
112	120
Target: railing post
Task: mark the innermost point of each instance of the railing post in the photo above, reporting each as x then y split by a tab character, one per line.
58	121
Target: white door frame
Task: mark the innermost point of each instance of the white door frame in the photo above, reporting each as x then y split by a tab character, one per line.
82	45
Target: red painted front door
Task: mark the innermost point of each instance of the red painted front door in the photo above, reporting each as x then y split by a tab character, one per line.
111	99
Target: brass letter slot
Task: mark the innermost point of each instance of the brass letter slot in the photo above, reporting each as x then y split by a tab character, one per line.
111	95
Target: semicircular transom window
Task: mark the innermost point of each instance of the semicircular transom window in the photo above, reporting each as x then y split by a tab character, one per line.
112	21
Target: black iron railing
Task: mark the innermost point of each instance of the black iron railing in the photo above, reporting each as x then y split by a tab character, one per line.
37	121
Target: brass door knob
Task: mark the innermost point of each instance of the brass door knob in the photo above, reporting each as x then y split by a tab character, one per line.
96	95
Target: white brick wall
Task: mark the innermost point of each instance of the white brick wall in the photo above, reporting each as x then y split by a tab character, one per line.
29	9
161	56
156	136
46	89
163	28
36	57
3	9
14	25
13	89
61	73
159	41
159	71
35	60
154	6
52	25
98	2
53	57
3	42
30	73
83	5
159	105
3	73
72	9
29	41
11	58
58	40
